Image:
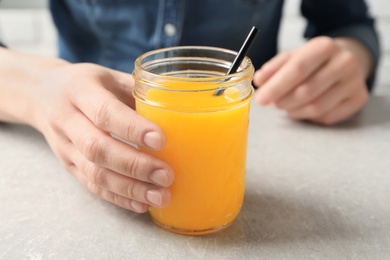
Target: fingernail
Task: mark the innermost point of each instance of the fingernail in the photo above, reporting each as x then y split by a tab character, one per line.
160	177
154	197
153	140
136	206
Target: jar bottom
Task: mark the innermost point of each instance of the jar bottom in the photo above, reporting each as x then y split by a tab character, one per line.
191	232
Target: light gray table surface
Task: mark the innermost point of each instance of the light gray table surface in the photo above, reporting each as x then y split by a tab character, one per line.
312	193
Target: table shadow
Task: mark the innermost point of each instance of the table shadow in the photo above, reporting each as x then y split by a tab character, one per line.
274	219
267	219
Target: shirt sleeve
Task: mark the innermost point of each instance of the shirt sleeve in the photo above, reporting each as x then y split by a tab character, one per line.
343	18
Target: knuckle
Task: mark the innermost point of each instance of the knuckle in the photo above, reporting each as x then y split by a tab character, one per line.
136	166
92	149
95	174
299	69
327	43
101	115
305	93
132	191
348	60
130	131
116	199
133	130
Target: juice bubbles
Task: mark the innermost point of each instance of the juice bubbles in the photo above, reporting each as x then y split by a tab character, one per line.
206	133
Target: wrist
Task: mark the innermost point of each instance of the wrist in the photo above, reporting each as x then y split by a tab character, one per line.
21	77
40	93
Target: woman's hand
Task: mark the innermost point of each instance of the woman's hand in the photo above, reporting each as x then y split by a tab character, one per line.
323	81
80	106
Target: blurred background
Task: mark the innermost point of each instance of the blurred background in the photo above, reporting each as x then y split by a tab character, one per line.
26	25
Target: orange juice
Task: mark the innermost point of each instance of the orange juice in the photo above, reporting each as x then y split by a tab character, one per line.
206	146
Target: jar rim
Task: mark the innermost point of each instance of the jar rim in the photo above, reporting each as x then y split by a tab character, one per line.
215	78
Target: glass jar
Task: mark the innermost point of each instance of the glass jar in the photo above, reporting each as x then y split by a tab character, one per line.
205	115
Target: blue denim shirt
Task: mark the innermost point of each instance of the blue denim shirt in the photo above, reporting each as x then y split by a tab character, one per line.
114	33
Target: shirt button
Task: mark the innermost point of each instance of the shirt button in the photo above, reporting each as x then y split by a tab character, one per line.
170	29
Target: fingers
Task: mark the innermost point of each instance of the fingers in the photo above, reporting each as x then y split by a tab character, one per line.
99	180
87	108
344	110
319	82
302	63
103	95
330	100
311	82
111	115
121	190
112	197
105	151
270	68
319	107
95	180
